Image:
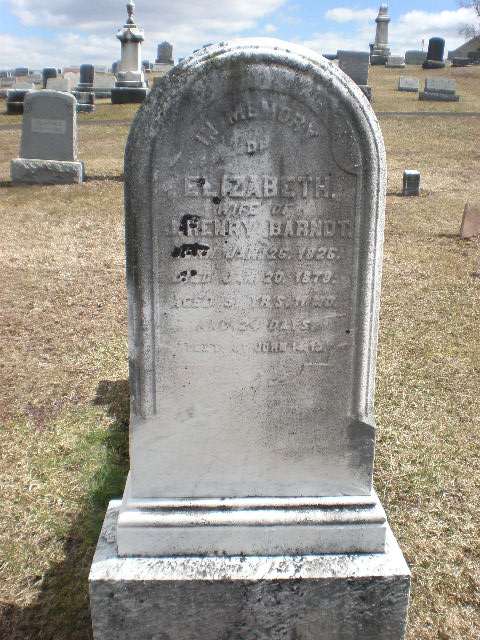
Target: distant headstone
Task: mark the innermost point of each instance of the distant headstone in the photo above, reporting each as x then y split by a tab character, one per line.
439	90
24	86
162	68
461	62
470	222
440	85
47	73
411	183
85	101
58	84
415	57
48	148
87	77
101	69
103	86
15	101
165	54
379	51
355	64
7	82
20	72
254	188
395	61
408	84
36	78
436	49
73	77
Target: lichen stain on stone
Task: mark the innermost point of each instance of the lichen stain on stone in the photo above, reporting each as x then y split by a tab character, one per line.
190	250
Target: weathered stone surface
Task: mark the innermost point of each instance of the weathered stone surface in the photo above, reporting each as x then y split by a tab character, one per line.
408	84
46	171
440	85
437	96
341	597
411	183
436	49
262	254
355	64
165	54
470	222
379	50
49	130
59	84
395	61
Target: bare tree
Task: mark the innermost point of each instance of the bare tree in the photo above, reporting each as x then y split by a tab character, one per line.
471	29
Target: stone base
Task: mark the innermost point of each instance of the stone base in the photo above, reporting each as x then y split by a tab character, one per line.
437	96
14	108
85	108
259	526
29	171
409	89
124	95
433	64
330	597
395	66
367	91
461	62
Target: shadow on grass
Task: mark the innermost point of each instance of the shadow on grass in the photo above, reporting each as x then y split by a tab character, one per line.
113	178
61	610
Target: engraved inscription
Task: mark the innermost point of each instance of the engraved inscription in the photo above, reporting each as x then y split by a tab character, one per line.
51	127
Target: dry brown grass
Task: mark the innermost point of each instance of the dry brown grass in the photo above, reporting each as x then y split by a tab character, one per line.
64	394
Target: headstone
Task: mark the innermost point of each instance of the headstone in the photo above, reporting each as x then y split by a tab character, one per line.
48	148
20	72
162	68
87	77
470	222
408	84
130	86
395	61
73	77
165	54
103	86
101	69
355	64
85	101
15	101
254	188
379	51
440	85
48	72
330	56
461	62
58	84
411	183
36	78
439	90
7	82
436	48
415	57
24	86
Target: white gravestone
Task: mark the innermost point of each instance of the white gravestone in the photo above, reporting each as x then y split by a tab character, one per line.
395	61
255	193
48	148
59	84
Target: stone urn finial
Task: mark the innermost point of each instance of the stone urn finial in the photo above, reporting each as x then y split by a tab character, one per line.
131	11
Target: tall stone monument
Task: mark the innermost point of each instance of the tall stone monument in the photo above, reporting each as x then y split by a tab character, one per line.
48	147
379	50
255	195
130	85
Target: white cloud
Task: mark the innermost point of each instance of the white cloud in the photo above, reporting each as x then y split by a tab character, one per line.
186	24
269	28
343	14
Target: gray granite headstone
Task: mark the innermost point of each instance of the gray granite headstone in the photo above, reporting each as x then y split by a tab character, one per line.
49	130
406	83
48	72
415	57
411	183
164	53
355	64
440	85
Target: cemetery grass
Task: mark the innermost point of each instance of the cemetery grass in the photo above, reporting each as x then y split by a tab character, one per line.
64	389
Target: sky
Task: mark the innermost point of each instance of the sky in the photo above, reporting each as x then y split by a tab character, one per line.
60	33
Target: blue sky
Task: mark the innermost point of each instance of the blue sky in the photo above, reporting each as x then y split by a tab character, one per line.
37	33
